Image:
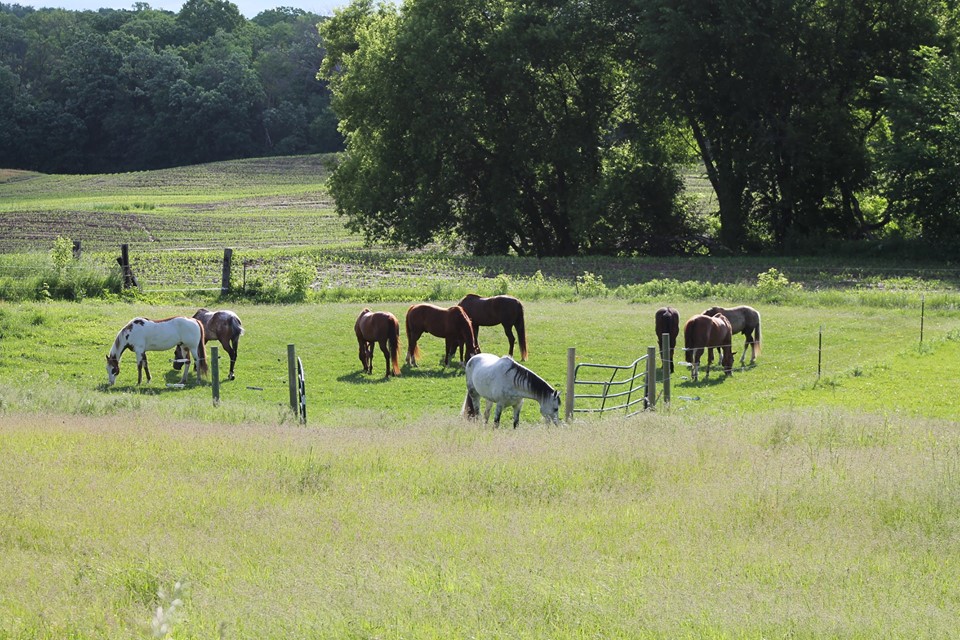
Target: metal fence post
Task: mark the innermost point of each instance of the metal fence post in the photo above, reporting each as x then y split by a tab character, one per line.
651	377
292	377
571	372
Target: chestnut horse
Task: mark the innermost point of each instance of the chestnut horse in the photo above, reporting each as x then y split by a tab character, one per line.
381	327
708	332
452	324
489	312
745	320
217	325
667	320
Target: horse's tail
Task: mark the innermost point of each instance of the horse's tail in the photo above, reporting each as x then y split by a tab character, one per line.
521	333
237	326
394	341
413	349
756	337
202	352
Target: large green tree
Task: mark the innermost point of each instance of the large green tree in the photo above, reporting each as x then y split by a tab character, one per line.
499	123
780	99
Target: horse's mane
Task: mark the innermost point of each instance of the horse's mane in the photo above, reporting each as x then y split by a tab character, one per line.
523	377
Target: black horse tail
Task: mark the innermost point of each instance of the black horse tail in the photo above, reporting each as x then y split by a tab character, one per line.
394	343
202	352
521	334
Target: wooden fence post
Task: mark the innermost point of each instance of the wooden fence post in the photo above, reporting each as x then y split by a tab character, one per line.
651	377
129	280
225	276
292	377
667	363
571	372
215	373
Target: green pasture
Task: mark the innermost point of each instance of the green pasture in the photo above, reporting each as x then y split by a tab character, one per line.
52	355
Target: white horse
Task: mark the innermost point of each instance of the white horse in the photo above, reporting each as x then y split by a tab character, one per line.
142	335
504	381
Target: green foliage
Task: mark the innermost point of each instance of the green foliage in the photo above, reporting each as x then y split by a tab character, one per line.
61	254
774	286
116	90
505	125
590	285
299	277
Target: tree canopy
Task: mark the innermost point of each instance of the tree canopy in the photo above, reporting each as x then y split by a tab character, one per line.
562	126
118	90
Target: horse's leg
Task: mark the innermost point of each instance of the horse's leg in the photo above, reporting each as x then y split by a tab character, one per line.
748	340
230	352
516	412
141	360
412	337
508	329
186	369
386	356
709	360
496	414
487	405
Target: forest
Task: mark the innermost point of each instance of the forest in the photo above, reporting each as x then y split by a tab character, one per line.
557	127
129	90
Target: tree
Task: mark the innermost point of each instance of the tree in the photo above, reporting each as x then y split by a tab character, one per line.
779	98
492	122
920	158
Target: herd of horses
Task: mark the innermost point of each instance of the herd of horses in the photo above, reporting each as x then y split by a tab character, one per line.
502	381
710	331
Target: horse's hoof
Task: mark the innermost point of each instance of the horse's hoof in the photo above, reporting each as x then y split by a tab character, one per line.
230	377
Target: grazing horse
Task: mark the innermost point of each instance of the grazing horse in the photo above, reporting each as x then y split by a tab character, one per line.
452	324
217	325
141	335
745	320
381	327
507	383
708	333
489	312
667	320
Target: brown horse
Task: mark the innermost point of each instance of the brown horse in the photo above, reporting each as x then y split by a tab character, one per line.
224	326
452	324
667	320
489	312
708	333
381	327
745	320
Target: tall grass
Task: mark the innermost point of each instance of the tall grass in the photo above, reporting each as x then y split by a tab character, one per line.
802	524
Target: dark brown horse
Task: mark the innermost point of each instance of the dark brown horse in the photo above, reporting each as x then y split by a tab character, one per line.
452	324
217	325
708	333
383	328
489	312
667	320
745	320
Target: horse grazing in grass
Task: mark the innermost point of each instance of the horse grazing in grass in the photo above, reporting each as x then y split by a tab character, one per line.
224	326
451	324
383	328
489	312
667	320
141	335
708	333
507	383
745	320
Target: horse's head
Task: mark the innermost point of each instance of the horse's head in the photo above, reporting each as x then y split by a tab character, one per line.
113	369
727	362
550	408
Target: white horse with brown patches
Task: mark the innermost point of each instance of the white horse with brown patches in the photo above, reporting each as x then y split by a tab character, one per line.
141	335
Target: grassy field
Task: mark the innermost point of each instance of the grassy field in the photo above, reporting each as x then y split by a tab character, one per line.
780	504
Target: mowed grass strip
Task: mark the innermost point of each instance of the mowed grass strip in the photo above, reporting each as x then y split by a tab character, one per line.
811	524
